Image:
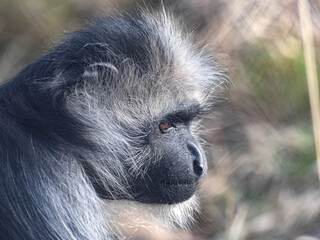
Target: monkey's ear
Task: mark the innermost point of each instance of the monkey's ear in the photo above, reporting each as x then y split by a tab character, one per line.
100	68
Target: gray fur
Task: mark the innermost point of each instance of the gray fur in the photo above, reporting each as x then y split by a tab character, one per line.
70	208
193	75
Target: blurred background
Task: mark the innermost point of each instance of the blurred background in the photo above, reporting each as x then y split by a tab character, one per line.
262	181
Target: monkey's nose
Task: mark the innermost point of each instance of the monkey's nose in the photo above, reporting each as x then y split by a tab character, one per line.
198	161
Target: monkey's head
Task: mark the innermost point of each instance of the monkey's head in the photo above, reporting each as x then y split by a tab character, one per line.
142	89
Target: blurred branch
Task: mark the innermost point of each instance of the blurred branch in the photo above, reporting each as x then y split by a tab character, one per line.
311	69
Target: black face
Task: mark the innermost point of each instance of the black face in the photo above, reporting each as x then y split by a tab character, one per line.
175	177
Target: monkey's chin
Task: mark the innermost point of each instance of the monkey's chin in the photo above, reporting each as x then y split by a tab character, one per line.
172	192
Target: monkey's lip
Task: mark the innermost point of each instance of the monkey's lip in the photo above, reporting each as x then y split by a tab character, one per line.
177	182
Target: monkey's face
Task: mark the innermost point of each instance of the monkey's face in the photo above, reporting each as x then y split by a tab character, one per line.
175	176
172	162
147	147
179	164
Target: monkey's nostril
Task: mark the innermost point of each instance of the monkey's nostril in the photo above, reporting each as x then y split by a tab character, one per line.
197	167
198	162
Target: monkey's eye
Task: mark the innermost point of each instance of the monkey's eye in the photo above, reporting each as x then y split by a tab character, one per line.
165	126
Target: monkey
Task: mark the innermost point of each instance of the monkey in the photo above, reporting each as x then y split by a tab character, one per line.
106	121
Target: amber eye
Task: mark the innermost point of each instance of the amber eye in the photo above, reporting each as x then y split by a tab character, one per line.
165	126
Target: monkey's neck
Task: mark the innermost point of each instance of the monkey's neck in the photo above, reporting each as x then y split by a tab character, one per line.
149	220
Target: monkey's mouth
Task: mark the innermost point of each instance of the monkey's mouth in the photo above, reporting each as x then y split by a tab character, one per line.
177	182
176	190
